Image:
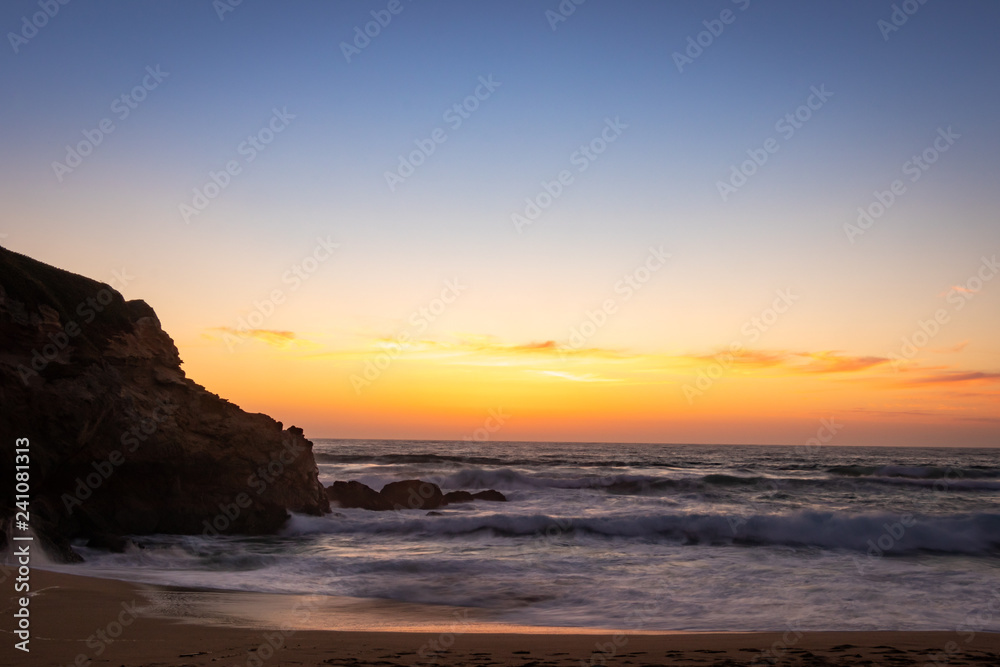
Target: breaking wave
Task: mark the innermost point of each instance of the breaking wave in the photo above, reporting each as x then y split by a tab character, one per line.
973	534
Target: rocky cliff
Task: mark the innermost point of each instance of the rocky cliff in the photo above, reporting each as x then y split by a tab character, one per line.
121	442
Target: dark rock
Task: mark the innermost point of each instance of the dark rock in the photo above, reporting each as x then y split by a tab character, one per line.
433	513
413	494
356	494
59	550
491	495
122	442
113	543
453	497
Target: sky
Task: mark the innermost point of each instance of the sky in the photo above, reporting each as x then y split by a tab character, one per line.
681	222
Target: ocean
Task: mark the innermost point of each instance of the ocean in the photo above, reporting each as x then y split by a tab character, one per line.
638	537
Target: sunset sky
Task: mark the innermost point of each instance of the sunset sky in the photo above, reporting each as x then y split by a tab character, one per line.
656	294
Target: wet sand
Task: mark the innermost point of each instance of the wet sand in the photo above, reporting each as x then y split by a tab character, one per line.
89	621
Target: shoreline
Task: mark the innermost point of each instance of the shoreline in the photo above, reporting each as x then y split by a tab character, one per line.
262	611
113	622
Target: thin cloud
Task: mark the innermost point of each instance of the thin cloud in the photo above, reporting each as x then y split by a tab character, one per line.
953	348
586	377
954	377
547	346
835	362
271	337
488	345
486	350
795	362
894	413
749	358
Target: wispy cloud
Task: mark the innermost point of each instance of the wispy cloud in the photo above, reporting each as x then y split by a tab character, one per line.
547	346
953	377
836	362
489	344
480	346
893	413
958	288
551	358
952	349
744	358
795	362
272	337
586	377
976	418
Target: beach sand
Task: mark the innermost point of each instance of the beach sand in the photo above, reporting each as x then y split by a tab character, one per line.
88	621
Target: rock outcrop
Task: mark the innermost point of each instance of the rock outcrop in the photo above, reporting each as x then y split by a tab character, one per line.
358	495
454	497
121	442
490	495
413	494
410	494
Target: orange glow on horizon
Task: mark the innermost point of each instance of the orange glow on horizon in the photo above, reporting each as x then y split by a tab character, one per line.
445	389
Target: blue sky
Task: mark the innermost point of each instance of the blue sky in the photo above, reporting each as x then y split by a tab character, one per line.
655	185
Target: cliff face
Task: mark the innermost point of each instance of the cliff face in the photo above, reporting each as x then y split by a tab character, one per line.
121	441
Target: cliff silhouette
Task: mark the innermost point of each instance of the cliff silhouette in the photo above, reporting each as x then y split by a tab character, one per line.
121	441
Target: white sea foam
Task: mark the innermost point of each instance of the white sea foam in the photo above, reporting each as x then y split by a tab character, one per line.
704	538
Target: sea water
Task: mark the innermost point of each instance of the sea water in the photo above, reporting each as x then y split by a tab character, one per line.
636	536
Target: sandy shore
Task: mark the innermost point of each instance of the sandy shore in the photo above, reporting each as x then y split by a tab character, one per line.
87	621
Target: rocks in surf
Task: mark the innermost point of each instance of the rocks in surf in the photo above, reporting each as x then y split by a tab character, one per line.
406	494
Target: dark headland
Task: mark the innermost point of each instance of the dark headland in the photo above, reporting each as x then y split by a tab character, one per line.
121	441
